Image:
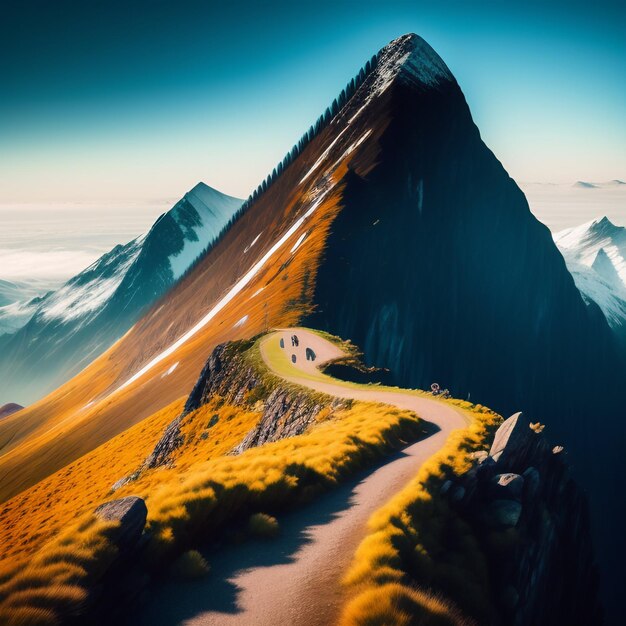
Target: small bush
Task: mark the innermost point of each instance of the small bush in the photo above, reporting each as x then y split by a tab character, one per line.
398	605
190	565
263	526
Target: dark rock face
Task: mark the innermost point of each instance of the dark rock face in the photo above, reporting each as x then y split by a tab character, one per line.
226	374
531	521
131	512
438	270
285	415
171	440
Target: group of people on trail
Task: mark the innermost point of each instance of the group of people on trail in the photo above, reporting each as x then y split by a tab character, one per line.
295	342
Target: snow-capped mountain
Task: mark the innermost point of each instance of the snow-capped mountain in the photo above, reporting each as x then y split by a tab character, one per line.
393	225
57	334
595	253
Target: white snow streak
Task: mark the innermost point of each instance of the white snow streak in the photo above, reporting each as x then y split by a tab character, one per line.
297	244
251	244
241	322
170	370
324	155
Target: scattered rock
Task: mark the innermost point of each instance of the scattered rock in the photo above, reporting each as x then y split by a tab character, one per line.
507	486
131	512
126	480
286	414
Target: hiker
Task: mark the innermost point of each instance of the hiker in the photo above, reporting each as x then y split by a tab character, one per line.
282	342
310	355
293	358
295	338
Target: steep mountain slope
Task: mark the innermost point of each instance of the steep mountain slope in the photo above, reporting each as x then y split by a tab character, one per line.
392	225
69	327
595	254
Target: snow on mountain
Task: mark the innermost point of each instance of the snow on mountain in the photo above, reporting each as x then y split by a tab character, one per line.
18	303
61	332
201	215
595	254
90	290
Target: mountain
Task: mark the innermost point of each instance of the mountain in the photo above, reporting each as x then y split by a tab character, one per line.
9	409
390	224
18	302
595	253
582	184
60	333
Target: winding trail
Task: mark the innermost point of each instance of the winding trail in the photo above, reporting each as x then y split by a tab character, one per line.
296	578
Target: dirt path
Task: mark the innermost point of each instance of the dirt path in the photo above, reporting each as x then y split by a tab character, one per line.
295	579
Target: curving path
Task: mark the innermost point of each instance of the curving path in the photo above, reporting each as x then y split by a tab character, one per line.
295	579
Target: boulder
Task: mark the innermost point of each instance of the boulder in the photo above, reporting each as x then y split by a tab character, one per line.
516	444
131	513
507	486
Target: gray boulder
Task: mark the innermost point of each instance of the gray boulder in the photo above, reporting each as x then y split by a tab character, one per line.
131	513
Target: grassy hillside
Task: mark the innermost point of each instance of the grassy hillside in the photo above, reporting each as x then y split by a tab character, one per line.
416	543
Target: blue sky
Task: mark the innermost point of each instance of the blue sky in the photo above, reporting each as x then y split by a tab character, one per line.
137	101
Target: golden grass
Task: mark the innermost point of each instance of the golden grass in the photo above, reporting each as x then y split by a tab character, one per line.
193	501
394	604
417	537
52	585
31	518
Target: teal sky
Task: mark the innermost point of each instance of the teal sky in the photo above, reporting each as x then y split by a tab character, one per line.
125	102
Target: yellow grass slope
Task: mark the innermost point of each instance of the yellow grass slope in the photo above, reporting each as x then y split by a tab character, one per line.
90	409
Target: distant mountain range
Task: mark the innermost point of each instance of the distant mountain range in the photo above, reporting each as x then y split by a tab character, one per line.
54	336
595	253
608	184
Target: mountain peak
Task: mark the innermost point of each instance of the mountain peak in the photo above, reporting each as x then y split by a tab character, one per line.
413	60
605	226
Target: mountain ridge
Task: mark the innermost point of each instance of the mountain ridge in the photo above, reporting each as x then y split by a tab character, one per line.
393	226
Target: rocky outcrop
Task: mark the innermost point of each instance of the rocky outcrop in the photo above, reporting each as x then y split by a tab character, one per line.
531	521
225	374
286	414
131	513
230	376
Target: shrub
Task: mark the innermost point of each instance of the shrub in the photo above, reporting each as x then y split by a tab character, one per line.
418	537
397	605
263	526
190	565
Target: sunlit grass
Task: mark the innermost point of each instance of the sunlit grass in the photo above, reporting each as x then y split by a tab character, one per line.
416	537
